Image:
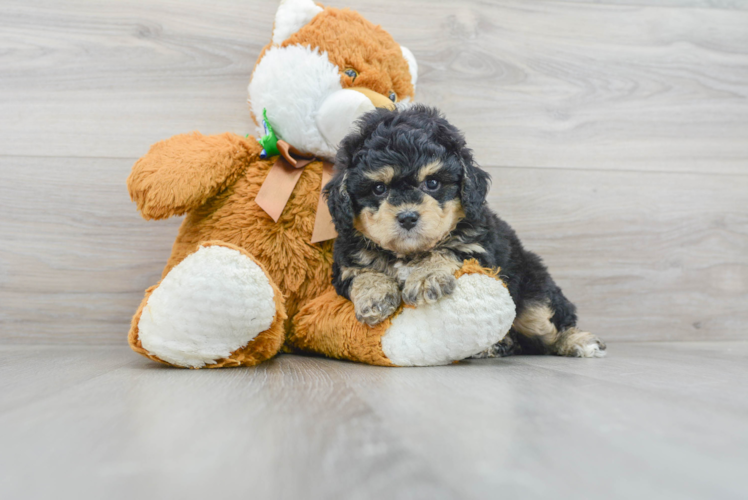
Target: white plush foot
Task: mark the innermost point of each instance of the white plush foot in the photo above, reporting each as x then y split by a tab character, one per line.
211	304
477	315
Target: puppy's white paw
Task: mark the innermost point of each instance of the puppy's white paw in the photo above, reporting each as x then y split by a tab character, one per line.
211	304
473	318
580	344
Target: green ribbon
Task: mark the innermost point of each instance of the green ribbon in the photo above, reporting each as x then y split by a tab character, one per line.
269	141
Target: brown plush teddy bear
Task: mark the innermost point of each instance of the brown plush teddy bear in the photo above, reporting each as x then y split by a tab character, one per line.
250	269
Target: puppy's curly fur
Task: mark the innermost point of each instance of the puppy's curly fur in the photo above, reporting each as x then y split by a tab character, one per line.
408	201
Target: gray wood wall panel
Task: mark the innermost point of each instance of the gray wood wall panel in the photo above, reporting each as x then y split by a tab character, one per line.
616	132
552	84
699	4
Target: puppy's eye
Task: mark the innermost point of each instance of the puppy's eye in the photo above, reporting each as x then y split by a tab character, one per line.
351	72
393	96
431	185
379	189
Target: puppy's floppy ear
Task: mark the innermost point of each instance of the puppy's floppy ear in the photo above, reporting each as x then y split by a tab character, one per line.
338	198
339	202
475	184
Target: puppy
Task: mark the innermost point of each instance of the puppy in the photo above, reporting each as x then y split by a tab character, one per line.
408	201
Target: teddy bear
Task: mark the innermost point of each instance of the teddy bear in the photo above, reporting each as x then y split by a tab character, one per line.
249	274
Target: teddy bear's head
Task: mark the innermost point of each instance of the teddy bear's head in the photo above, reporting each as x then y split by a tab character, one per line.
324	68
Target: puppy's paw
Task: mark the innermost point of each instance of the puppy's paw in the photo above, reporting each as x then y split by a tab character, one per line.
508	346
428	286
375	297
580	344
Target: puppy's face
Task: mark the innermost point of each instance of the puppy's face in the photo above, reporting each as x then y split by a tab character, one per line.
406	208
404	180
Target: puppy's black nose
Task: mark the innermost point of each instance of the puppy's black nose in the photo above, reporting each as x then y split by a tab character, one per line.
408	220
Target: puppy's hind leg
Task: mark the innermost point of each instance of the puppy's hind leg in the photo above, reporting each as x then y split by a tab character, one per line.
548	331
508	346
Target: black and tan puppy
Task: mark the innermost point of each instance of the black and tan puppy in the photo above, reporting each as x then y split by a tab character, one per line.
408	201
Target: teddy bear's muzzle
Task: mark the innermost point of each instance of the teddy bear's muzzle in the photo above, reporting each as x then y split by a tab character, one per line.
342	108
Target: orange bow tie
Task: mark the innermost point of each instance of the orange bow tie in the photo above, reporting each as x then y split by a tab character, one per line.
280	182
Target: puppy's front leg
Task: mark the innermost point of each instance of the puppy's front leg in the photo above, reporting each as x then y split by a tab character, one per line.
375	296
430	279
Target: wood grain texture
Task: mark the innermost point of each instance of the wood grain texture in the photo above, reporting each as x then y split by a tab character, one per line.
553	84
643	255
650	421
615	132
75	256
682	4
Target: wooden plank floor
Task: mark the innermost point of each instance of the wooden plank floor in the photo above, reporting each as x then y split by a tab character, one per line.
616	132
653	420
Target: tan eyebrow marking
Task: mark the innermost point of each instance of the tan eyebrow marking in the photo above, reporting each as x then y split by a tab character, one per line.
429	169
384	174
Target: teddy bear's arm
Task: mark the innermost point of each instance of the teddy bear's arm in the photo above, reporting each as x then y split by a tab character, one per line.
181	173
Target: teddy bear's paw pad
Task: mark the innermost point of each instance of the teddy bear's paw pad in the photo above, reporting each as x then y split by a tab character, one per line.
477	315
211	304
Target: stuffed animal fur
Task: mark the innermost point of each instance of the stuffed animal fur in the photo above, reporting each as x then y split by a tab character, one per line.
239	285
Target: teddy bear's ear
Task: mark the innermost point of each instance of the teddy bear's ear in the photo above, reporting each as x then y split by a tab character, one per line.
292	15
412	64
